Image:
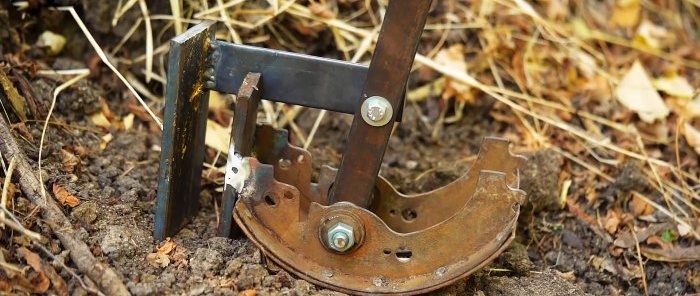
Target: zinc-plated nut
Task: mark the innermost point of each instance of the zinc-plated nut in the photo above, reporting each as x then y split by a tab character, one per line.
340	237
376	111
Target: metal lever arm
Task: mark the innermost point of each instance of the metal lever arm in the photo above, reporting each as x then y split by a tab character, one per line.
388	71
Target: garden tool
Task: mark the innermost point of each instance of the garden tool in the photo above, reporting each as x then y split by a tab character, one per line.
351	230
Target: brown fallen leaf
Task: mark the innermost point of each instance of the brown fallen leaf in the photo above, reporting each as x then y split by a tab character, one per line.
321	10
40	283
158	260
69	160
639	207
17	101
611	221
167	247
626	240
5	286
64	196
249	292
675	254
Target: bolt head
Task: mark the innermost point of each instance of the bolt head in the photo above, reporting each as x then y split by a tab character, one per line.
375	111
340	237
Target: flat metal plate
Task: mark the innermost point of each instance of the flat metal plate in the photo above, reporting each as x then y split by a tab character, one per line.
292	78
184	126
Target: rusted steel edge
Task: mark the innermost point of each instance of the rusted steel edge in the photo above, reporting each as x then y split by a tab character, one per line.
240	146
185	119
388	72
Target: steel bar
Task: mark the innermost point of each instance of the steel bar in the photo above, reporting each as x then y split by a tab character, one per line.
292	78
242	140
388	72
185	119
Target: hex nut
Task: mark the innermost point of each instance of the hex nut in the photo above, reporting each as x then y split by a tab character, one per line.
338	233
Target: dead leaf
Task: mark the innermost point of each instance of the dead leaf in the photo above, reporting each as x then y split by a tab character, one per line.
675	85
128	121
40	283
652	36
639	207
158	260
16	100
106	111
167	247
657	240
626	240
692	136
69	160
65	197
5	285
675	254
180	256
217	136
105	140
23	130
81	150
626	13
611	221
453	57
692	109
637	93
321	10
99	119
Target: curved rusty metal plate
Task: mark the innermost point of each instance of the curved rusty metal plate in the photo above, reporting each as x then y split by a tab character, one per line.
455	231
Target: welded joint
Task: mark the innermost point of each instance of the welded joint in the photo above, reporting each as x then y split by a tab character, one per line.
237	170
212	61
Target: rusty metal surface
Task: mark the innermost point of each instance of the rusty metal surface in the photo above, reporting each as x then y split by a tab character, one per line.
184	125
284	214
388	72
241	145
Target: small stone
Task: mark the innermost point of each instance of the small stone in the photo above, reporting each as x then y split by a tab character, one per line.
116	243
85	212
226	246
206	260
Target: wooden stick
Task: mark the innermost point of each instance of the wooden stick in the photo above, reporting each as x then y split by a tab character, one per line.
102	274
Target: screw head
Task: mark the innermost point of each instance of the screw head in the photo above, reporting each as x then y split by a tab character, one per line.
340	237
376	111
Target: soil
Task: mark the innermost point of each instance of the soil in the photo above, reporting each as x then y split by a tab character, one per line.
116	188
555	252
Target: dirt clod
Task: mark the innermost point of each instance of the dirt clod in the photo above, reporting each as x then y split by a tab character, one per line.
117	242
548	283
630	177
540	180
206	260
86	212
517	259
